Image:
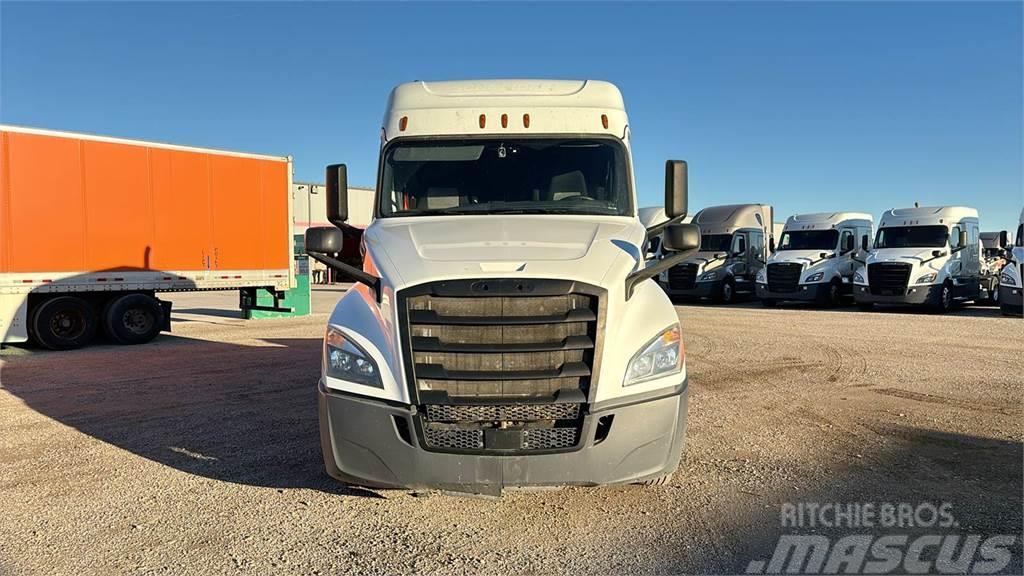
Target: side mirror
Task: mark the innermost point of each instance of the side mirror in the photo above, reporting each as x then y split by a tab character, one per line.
963	239
847	244
681	237
1003	239
675	189
337	194
325	239
771	244
864	243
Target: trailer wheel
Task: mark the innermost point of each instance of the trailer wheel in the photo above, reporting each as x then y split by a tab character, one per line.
64	323
133	318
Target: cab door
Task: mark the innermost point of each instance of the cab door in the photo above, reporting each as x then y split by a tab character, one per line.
847	250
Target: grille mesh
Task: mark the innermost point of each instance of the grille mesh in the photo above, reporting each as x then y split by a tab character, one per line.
502	412
456	439
549	438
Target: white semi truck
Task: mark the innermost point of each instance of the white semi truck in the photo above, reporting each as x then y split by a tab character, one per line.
1011	278
734	246
815	258
927	256
504	330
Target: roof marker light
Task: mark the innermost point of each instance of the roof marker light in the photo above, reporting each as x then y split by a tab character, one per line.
604	121
504	120
526	120
403	123
483	120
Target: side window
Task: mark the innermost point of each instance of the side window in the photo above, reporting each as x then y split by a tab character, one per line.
739	244
846	243
757	244
954	237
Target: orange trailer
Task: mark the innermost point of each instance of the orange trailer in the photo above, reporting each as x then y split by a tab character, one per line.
91	228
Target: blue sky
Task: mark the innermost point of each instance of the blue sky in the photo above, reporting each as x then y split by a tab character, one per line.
807	106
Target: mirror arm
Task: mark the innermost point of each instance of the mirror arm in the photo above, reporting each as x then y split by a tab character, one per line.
653	270
361	276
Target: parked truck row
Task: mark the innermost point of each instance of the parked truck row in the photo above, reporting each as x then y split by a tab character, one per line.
922	256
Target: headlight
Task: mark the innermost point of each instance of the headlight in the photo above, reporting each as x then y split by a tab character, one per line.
926	279
345	360
710	275
659	357
858	278
762	278
1006	279
817	276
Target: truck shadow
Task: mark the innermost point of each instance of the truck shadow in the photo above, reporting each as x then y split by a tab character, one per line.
234	413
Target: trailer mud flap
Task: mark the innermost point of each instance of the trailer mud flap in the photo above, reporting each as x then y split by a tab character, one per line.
166	307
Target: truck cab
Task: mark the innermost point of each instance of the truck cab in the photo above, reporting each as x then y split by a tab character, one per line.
734	246
922	256
815	258
1011	278
505	330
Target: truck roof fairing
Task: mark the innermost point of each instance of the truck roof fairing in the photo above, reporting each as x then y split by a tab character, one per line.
926	215
729	218
495	107
826	220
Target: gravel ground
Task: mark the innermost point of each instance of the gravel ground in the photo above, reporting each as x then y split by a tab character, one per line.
199	452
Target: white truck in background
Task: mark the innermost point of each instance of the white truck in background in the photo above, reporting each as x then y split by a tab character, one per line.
1011	278
926	256
814	259
504	330
734	246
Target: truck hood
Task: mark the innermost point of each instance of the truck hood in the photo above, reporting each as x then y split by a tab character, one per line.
422	249
705	260
797	256
911	255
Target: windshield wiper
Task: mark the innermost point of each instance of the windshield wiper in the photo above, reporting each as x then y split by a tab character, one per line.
433	212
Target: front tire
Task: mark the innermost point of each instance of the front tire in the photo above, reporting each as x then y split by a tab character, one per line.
133	319
726	292
944	303
64	323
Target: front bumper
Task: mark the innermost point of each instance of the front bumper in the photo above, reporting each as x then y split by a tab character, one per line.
803	293
362	444
1011	297
705	289
915	295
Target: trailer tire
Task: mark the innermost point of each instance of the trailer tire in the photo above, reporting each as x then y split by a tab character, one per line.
64	323
133	318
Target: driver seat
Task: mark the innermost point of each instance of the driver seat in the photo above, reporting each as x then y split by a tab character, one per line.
567	185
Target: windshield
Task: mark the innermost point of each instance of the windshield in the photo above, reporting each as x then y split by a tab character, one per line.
912	237
809	240
715	242
505	176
